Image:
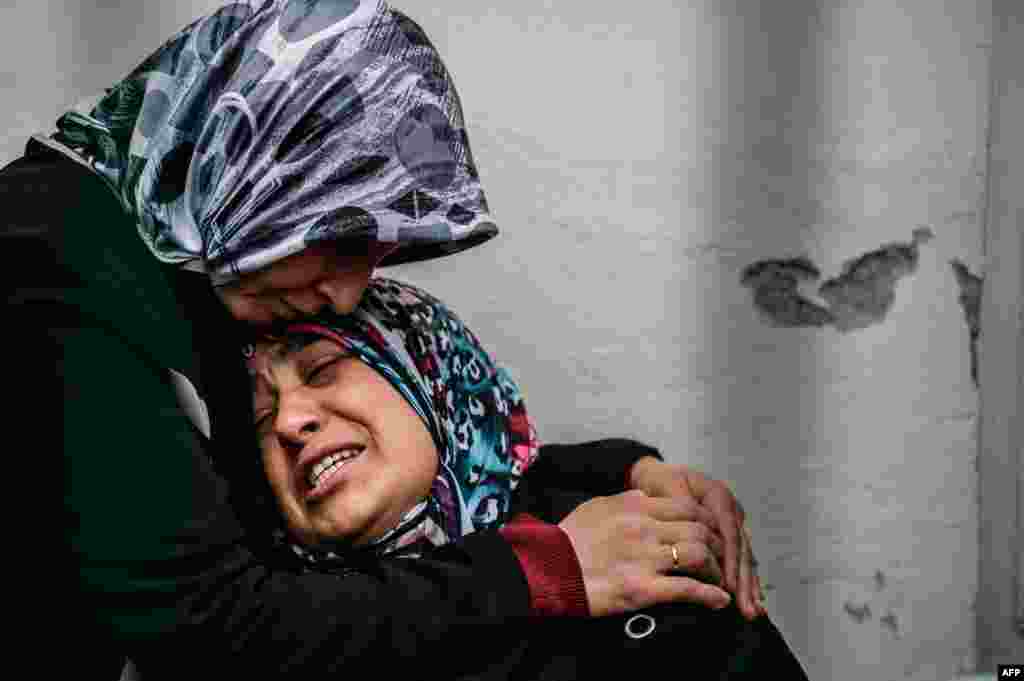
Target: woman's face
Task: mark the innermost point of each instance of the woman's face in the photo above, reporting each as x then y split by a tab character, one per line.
302	284
345	454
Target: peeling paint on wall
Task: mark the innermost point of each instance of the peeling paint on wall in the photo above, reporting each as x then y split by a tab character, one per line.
889	622
776	296
858	613
970	300
864	291
862	294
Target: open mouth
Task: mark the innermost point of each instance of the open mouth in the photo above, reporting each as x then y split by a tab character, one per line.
320	473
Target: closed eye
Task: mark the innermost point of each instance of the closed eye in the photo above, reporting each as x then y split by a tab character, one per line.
322	374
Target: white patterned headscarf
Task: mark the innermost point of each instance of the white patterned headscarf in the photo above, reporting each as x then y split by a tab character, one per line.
270	125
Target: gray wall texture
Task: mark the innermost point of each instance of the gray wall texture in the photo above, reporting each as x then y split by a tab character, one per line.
1001	454
728	229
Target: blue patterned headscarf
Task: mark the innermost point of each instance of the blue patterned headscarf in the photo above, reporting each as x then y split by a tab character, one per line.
471	406
270	125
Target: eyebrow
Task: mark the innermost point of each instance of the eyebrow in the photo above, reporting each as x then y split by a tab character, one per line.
290	345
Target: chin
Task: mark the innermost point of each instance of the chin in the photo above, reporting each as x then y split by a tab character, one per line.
342	530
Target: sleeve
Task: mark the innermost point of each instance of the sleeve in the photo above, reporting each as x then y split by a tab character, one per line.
550	565
563	477
600	467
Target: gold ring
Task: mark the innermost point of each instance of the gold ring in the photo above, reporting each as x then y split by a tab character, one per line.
675	557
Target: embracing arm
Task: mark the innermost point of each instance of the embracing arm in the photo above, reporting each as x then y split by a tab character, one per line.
160	559
566	475
132	547
599	467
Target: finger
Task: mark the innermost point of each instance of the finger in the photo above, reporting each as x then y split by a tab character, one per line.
688	531
677	589
676	509
745	594
713	568
755	593
699	483
691	558
758	590
717	546
760	595
732	539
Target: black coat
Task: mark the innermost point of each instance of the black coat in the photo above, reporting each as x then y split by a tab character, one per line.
678	641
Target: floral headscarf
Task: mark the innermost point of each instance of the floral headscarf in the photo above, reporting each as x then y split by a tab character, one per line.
270	125
472	408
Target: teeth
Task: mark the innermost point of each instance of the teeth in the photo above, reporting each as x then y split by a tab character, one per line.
329	464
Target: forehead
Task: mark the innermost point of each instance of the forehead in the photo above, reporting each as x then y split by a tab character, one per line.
271	352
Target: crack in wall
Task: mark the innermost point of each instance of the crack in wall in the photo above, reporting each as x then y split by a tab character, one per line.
970	300
861	296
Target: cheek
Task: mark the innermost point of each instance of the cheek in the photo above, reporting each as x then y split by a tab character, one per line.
246	308
415	452
279	477
407	453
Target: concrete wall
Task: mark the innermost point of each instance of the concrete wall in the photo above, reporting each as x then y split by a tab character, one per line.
1001	464
686	189
639	163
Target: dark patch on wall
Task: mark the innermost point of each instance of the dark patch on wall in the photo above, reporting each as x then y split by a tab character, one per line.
889	622
776	295
864	291
858	613
862	294
879	580
970	300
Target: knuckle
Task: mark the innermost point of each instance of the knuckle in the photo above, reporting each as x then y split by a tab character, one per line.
632	589
634	502
633	532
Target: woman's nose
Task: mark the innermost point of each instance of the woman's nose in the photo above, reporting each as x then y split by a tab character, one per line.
307	302
298	420
344	289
